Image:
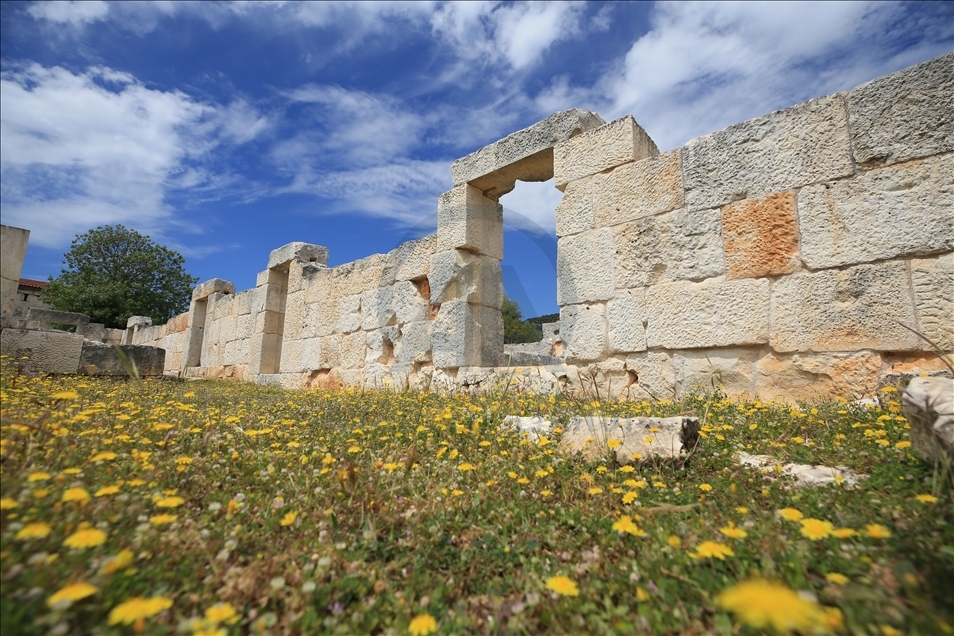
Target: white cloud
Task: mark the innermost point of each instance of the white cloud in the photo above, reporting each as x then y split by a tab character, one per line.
84	149
532	206
704	66
73	13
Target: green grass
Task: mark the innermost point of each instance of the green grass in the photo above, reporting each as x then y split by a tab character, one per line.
389	522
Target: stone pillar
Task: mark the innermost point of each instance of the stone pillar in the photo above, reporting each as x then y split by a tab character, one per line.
13	245
465	280
195	332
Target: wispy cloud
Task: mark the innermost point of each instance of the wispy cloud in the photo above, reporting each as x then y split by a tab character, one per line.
97	147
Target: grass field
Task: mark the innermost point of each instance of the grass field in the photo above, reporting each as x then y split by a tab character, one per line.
228	508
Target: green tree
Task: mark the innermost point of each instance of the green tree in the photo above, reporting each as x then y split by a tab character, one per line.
112	273
516	330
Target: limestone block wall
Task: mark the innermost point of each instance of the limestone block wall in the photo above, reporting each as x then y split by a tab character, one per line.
13	245
782	257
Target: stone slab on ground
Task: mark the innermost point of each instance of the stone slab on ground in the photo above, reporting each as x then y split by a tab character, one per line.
43	351
534	426
98	358
632	439
804	474
928	404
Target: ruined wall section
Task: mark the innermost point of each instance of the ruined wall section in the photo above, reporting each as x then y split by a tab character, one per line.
367	322
779	257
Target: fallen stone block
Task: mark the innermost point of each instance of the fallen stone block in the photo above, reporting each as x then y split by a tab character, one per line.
533	427
631	439
98	358
804	474
928	403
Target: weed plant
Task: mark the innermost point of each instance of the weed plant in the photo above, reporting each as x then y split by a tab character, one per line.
229	508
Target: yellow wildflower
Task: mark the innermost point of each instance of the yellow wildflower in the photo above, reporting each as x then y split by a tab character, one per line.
38	477
630	497
926	498
422	625
877	531
705	487
170	502
88	538
790	514
289	518
75	494
119	562
8	503
836	578
65	395
466	466
816	529
562	585
761	605
733	532
138	609
107	490
222	613
625	524
36	530
595	490
843	533
712	549
163	519
72	592
103	456
674	541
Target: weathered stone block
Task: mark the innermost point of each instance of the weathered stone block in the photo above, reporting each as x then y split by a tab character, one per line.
730	369
932	280
640	438
893	211
353	349
678	245
583	328
844	310
467	335
381	345
808	376
212	286
904	115
761	236
349	313
466	219
459	275
640	189
412	259
414	343
372	272
137	321
51	316
526	154
585	267
713	313
44	351
409	304
97	358
606	147
928	404
626	331
651	376
13	246
297	251
377	308
574	213
804	144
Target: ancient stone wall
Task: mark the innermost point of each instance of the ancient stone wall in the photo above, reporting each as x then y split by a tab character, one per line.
787	256
13	245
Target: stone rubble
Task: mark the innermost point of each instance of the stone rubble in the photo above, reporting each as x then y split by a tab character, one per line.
928	404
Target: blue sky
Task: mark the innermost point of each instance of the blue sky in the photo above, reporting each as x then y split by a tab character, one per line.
225	130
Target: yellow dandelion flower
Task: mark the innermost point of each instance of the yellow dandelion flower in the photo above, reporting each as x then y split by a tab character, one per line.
595	490
642	595
926	498
107	490
742	510
705	487
761	605
183	460
170	502
38	476
843	533
40	493
163	519
289	518
72	592
222	613
119	562
137	609
877	531
674	541
466	466
523	481
733	532
36	530
836	578
816	529
630	497
904	444
625	524
546	493
614	443
422	625
75	494
790	514
8	504
103	456
627	469
712	549
562	585
65	395
88	538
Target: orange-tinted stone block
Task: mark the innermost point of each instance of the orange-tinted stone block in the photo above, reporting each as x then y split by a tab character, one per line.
760	236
